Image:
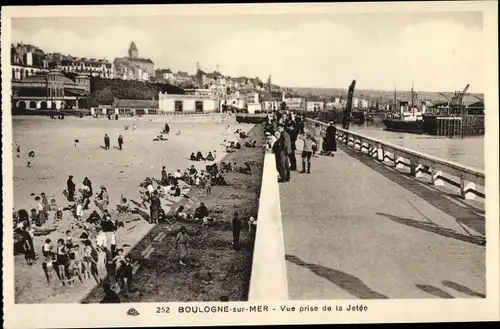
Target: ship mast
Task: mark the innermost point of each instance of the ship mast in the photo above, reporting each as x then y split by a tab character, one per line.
412	97
395	100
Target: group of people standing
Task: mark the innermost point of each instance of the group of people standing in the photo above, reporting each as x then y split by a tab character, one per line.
107	142
283	128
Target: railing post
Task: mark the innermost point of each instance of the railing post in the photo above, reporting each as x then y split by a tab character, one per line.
398	161
466	190
413	167
437	177
380	152
418	170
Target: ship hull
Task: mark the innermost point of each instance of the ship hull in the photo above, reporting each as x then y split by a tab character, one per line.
414	127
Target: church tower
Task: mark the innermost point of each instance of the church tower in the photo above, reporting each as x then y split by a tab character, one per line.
132	51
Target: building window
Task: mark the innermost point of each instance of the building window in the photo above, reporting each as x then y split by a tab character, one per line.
32	105
178	106
199	106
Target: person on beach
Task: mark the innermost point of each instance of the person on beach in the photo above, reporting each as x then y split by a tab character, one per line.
163	180
101	262
87	260
201	212
101	241
71	189
166	130
102	200
107	142
88	183
62	260
79	209
208	184
252	227
120	142
199	156
210	157
45	202
48	257
29	248
307	151
75	263
236	223
41	215
181	244
154	208
126	273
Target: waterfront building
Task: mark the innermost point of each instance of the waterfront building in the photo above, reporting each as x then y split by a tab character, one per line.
27	60
134	67
84	66
187	103
314	106
50	90
295	103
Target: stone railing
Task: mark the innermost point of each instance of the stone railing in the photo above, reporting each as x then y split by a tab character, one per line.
269	280
467	179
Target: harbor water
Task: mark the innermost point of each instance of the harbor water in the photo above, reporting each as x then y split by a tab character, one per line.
467	151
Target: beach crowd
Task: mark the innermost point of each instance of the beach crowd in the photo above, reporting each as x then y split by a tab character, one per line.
85	231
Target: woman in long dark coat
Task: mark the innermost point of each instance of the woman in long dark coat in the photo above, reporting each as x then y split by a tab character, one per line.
331	142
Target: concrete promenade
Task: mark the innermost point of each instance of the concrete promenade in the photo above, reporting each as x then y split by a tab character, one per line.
355	228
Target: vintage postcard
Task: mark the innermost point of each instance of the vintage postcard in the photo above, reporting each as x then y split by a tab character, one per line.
250	164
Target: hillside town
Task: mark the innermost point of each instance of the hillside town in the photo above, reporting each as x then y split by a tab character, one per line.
55	81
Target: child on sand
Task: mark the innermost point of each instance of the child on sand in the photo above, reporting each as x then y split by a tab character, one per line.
61	260
87	260
79	210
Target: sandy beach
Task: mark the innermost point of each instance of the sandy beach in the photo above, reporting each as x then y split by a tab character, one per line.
58	155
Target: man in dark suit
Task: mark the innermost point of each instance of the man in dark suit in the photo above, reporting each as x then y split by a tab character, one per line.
292	129
285	148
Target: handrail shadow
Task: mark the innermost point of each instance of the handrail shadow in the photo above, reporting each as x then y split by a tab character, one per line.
465	216
345	281
434	228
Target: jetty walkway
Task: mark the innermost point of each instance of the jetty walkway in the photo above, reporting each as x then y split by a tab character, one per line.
361	228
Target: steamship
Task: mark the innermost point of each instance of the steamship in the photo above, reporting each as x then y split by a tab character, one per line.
409	119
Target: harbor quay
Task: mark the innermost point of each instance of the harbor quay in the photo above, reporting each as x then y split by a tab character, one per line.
375	221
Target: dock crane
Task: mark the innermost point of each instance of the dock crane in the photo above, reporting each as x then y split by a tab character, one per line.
346	117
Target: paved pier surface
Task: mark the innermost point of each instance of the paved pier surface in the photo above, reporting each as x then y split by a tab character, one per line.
354	228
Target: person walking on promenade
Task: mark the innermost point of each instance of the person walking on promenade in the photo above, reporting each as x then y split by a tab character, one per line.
106	142
236	230
71	188
285	149
331	141
154	208
318	137
120	142
292	130
181	244
307	151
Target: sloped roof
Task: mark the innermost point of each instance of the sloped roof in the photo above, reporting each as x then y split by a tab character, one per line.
74	92
143	60
31	92
135	103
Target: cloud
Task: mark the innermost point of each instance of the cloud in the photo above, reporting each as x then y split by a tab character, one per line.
437	54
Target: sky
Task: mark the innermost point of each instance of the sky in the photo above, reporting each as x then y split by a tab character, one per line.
437	51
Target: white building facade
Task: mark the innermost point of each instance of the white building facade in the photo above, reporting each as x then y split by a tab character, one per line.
173	103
